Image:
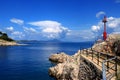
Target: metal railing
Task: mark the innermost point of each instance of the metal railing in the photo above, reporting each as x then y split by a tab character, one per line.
107	62
105	69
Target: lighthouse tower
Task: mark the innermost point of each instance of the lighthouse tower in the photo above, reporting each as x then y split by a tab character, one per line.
104	33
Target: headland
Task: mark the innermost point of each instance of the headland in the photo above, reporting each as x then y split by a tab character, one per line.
75	68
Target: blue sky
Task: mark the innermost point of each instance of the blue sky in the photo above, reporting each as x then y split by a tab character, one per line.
66	20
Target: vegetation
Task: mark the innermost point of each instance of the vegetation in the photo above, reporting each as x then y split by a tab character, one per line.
4	36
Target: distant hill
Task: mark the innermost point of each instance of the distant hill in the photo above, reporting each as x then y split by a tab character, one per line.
54	40
5	37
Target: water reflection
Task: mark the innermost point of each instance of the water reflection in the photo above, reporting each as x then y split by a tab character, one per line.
3	52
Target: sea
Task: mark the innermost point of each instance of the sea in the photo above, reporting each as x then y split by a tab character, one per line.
31	61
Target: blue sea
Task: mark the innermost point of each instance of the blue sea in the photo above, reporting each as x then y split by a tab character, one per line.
30	62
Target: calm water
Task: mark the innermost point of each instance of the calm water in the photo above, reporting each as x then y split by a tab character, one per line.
30	62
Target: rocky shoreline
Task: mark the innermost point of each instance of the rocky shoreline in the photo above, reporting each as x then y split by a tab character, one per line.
68	67
8	43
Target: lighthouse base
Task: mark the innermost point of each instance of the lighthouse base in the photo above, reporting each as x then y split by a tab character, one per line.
104	36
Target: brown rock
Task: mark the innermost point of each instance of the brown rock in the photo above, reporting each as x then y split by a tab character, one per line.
65	71
59	58
7	43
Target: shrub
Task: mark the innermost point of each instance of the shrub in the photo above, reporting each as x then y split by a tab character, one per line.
5	37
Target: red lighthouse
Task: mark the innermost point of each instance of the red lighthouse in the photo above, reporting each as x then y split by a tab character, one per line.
104	33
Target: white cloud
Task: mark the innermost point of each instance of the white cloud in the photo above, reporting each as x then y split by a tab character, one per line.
116	33
45	23
113	26
29	30
100	13
55	30
87	34
17	21
80	35
10	29
95	28
17	34
51	29
113	22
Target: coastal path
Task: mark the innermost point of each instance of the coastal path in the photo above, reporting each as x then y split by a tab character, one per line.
108	64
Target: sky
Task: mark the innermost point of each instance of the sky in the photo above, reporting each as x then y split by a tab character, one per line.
65	20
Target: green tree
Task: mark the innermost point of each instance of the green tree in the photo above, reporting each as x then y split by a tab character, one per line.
0	33
5	37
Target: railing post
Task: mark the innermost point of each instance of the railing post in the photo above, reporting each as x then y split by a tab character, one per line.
83	51
92	53
98	58
116	68
104	71
104	68
80	51
107	64
86	53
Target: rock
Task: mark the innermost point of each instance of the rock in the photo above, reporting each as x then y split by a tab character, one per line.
59	58
65	71
68	67
116	47
7	43
108	45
